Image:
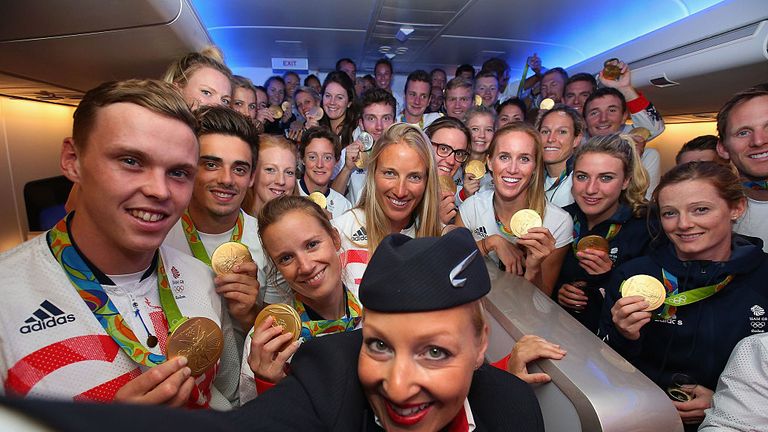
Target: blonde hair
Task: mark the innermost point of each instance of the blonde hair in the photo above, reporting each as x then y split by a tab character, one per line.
427	221
266	141
622	147
180	70
535	198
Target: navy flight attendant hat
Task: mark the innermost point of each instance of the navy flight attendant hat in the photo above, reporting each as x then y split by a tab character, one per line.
424	274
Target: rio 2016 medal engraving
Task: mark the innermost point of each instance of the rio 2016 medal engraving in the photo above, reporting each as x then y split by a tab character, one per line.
523	220
546	104
366	140
593	242
284	316
276	112
198	339
648	287
228	255
611	69
315	112
319	199
446	183
476	168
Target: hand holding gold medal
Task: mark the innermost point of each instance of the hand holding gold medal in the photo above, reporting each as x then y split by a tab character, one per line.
284	316
200	340
228	255
648	287
523	220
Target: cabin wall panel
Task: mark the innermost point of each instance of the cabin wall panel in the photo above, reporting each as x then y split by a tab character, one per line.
30	141
674	136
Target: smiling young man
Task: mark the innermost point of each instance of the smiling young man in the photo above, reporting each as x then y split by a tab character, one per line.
89	303
225	171
742	126
378	113
418	88
458	98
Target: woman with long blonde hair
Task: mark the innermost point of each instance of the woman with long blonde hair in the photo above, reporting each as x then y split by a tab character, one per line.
401	194
517	166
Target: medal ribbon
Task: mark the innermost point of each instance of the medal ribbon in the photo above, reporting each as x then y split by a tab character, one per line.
193	237
97	300
676	299
756	185
349	321
613	231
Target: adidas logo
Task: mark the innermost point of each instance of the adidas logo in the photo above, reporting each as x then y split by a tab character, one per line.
360	236
47	316
481	232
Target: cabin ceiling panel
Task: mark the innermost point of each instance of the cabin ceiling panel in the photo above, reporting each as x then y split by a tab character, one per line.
353	14
323	44
26	19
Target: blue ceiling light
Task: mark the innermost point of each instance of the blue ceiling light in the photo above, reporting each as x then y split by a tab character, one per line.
606	25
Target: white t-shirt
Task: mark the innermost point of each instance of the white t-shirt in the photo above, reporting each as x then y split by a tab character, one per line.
561	194
753	222
354	244
426	119
651	160
336	202
478	216
273	288
52	346
356	178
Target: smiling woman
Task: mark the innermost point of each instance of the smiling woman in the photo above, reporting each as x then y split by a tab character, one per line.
275	173
202	78
713	279
400	195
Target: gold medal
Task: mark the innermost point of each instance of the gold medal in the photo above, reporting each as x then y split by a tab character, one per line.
523	220
593	242
679	394
546	104
315	112
198	339
446	183
319	199
276	112
641	132
366	140
284	316
648	287
611	69
228	255
478	100
476	168
362	158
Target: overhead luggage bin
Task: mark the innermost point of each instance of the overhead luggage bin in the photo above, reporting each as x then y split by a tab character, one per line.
593	388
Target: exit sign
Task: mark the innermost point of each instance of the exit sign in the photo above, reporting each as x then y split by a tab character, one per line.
292	64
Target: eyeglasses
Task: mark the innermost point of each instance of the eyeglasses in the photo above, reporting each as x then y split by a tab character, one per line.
444	150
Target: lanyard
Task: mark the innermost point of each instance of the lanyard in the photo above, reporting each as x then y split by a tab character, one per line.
421	121
676	299
756	185
349	321
613	231
97	300
193	237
